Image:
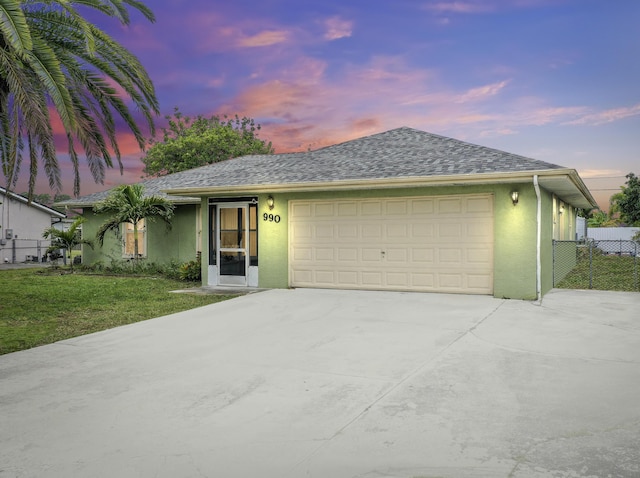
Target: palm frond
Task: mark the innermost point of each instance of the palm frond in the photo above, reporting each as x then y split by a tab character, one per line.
13	26
53	55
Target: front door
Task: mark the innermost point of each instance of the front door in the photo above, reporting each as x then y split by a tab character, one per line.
233	233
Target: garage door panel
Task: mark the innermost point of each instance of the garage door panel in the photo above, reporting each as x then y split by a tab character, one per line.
394	231
422	255
449	206
479	256
370	232
480	204
348	209
371	208
348	278
395	208
450	281
348	254
301	254
301	210
300	232
397	279
450	231
479	282
347	231
421	243
371	255
371	279
323	231
422	230
324	254
323	209
422	206
479	230
323	277
423	280
397	255
450	257
302	276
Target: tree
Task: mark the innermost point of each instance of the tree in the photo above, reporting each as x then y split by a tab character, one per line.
628	200
128	204
67	240
188	143
45	198
600	218
52	57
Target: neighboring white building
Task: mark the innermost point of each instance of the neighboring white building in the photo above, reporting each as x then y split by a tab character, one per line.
612	233
21	227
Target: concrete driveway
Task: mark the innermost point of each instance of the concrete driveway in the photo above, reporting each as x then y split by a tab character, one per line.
319	383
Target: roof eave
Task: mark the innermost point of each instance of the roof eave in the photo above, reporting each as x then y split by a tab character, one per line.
34	204
576	194
69	204
570	188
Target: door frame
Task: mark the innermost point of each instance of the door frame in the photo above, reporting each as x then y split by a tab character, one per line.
228	279
214	276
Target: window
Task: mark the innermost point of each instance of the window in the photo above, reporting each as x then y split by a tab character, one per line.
129	240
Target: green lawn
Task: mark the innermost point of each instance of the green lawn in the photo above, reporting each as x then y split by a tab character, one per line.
41	306
608	272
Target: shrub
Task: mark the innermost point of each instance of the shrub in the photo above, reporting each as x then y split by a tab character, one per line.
191	271
187	271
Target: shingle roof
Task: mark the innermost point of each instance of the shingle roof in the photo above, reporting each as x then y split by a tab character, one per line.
398	153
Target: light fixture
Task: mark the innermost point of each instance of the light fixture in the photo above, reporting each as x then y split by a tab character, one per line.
514	197
270	202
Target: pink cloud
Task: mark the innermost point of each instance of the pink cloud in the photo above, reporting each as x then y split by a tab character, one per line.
459	7
213	32
264	38
482	92
337	28
497	132
482	6
545	115
607	116
311	109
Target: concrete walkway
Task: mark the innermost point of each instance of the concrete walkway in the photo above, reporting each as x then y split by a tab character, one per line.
318	383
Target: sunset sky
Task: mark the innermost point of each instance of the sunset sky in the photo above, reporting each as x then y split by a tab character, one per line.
555	80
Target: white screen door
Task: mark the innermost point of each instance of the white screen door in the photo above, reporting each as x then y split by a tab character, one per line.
233	234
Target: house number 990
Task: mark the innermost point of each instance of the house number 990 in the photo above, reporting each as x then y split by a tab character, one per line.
271	218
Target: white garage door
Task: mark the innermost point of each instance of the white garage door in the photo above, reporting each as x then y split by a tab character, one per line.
440	244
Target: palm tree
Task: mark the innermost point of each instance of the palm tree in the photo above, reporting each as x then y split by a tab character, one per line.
66	240
128	204
50	56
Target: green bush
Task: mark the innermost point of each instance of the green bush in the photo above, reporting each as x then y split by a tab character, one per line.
191	271
187	271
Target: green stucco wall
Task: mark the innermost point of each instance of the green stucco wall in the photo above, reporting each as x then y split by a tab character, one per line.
515	242
178	243
514	234
546	243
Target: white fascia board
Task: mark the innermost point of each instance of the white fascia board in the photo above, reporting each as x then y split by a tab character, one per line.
568	177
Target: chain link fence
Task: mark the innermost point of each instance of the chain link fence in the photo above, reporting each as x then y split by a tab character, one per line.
15	251
597	264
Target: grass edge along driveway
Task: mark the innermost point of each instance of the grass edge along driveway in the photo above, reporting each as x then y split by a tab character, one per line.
39	306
